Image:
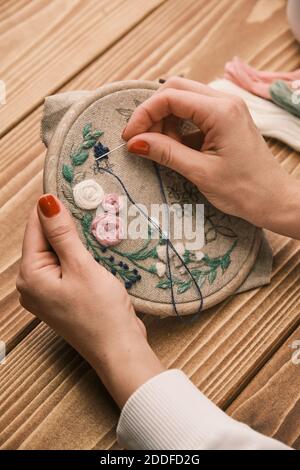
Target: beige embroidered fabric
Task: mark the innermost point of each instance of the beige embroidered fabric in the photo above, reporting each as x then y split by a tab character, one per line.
236	257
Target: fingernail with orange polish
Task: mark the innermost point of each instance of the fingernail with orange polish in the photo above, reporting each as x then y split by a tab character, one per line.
49	205
139	146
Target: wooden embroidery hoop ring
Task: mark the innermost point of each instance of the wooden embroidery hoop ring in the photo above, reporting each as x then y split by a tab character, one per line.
50	186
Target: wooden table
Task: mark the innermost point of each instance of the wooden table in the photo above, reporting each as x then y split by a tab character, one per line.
239	353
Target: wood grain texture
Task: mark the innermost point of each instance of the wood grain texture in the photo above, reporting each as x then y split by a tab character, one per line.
44	381
271	402
44	43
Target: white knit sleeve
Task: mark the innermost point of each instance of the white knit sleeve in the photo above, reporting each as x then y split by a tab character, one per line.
169	413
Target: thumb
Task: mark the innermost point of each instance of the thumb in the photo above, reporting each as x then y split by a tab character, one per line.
168	152
60	231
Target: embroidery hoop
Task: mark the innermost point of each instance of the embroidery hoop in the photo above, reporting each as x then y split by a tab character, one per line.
56	148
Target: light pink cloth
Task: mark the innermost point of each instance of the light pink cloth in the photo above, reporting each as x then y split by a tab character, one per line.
255	81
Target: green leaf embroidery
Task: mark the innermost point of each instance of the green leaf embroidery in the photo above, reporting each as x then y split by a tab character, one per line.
79	158
184	286
152	269
143	254
225	263
97	134
165	284
200	279
86	130
88	144
212	276
68	173
187	256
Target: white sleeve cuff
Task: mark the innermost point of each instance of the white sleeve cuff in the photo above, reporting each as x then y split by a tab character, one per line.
169	413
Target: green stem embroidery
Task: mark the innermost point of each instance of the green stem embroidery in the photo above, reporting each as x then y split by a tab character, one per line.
141	254
81	154
128	275
200	275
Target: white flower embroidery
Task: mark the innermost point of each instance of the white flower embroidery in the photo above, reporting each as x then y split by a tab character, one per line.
112	203
199	255
88	194
161	251
180	248
160	269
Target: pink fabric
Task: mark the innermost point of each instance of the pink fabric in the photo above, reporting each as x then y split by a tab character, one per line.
256	81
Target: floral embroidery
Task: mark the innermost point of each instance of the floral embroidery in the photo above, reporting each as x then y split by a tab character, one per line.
161	251
129	276
88	194
160	269
112	203
104	231
70	176
108	229
81	154
201	275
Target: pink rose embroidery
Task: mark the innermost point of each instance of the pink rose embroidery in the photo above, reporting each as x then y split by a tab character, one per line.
112	203
108	229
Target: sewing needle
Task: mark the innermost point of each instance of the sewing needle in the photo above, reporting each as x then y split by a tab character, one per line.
112	150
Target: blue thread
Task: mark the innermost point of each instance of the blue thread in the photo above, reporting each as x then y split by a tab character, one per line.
168	242
99	150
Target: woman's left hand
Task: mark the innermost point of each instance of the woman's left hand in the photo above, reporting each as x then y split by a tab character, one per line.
61	283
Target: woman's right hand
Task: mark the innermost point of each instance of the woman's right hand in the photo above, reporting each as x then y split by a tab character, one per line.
234	167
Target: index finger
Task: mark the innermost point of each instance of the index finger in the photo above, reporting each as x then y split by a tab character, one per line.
181	103
180	83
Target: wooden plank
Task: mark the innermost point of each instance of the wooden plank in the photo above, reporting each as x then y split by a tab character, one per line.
45	378
271	402
178	37
44	43
20	183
